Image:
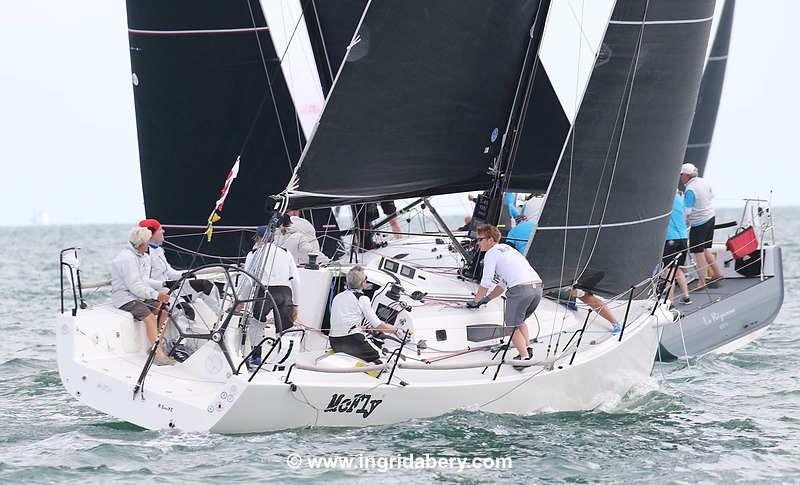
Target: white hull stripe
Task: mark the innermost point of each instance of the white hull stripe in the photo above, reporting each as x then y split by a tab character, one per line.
717	58
599	226
660	22
197	32
697	145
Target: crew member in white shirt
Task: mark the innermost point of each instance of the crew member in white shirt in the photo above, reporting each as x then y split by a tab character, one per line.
520	281
298	236
277	271
348	310
701	218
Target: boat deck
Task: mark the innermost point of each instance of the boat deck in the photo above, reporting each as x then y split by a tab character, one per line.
702	299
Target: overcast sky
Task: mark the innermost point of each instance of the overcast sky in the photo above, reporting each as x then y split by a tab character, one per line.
68	134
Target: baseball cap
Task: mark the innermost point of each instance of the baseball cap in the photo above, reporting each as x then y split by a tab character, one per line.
151	224
688	169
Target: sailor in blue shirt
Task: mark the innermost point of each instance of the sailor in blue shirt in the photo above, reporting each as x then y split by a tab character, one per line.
520	235
677	246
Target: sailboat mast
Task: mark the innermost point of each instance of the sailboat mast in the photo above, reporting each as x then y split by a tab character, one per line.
504	162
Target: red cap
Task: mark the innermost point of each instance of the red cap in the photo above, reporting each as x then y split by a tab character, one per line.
151	224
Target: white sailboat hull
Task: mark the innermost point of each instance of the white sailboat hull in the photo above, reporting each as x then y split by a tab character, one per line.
201	394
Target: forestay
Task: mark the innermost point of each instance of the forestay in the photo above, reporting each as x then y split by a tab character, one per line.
605	217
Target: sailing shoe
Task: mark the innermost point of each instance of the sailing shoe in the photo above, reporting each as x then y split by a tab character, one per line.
686	301
519	357
253	362
617	328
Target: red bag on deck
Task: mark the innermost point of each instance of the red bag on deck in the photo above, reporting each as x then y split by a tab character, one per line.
743	242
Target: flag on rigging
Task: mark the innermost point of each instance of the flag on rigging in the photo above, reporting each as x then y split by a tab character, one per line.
214	216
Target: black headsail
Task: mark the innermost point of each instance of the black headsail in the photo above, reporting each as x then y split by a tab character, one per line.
705	114
202	98
603	224
420	103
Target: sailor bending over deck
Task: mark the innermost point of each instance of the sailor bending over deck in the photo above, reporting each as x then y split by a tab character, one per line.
299	237
350	310
524	287
131	292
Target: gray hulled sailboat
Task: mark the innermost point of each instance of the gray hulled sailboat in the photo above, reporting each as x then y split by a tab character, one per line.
740	309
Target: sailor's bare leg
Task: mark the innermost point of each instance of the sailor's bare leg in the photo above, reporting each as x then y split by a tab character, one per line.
395	228
680	277
712	261
702	265
523	329
520	340
597	305
152	333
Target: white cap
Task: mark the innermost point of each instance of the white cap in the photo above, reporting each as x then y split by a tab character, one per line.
688	169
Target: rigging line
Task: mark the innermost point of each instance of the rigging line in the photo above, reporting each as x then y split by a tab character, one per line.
322	38
526	99
181	249
621	135
269	85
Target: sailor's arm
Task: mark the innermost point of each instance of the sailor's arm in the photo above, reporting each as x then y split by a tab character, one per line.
372	319
487	280
133	281
294	279
688	203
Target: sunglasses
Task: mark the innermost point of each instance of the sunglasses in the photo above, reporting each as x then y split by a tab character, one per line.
482	239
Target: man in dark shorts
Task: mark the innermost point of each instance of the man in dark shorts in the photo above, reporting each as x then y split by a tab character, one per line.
701	217
131	292
364	214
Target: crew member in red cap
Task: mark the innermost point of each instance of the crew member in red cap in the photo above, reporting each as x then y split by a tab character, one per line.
163	275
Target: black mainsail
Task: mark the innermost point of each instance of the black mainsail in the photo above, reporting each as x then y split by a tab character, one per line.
330	25
603	224
420	105
705	114
203	98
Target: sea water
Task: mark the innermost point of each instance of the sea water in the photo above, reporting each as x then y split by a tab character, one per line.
723	418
